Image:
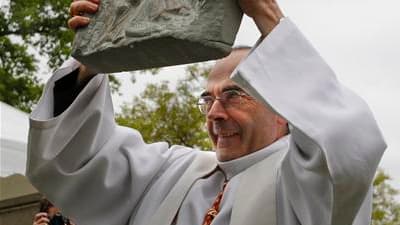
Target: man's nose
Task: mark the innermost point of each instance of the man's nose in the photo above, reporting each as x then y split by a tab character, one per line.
217	111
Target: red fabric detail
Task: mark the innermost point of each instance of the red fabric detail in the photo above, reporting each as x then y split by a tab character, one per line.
214	210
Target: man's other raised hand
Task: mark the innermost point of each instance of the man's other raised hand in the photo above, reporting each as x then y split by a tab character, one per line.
265	13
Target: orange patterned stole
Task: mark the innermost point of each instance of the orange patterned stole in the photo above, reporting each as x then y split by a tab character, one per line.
214	210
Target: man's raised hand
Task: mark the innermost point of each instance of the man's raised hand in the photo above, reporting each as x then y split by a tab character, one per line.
78	9
265	13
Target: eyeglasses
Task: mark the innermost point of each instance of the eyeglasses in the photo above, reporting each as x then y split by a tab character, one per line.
229	98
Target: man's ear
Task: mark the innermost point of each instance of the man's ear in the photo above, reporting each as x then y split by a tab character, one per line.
283	125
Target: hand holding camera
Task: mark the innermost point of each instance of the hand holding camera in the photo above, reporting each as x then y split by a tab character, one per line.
50	215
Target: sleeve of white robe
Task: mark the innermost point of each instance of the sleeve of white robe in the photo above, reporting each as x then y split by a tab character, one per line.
94	170
335	142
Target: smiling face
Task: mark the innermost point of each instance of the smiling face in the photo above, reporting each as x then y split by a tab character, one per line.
241	129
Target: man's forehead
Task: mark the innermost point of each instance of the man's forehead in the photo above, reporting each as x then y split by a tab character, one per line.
219	84
224	67
216	85
219	77
221	71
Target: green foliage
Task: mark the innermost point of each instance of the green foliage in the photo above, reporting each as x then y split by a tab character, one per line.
386	211
162	114
38	24
18	85
41	25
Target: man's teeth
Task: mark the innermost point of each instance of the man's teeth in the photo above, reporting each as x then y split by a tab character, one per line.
226	134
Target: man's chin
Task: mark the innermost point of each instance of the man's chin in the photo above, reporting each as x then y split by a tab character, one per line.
227	148
227	154
228	142
222	156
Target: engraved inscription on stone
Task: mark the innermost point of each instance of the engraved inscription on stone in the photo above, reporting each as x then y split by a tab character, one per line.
138	34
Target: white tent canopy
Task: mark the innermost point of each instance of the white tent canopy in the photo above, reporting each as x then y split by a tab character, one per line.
14	125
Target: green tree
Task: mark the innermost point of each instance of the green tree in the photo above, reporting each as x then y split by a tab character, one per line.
162	114
40	25
18	85
386	211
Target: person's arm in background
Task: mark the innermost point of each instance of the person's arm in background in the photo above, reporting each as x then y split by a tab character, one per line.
42	218
93	169
336	144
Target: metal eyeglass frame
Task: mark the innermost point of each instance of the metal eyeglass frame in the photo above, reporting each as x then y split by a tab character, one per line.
226	96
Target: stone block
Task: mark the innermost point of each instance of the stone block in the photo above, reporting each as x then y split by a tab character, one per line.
19	200
127	35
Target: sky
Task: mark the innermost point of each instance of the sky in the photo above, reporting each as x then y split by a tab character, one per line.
360	39
361	42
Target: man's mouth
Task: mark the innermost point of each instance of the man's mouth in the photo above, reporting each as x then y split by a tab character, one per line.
226	134
223	132
225	139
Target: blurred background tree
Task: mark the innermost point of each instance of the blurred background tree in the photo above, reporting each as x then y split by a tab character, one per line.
386	210
26	28
19	86
162	114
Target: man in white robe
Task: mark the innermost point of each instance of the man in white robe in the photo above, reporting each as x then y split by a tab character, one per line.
319	172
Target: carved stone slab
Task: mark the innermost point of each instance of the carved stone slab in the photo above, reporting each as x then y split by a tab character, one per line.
126	35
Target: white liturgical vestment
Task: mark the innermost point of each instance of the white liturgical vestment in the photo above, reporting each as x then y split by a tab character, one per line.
320	174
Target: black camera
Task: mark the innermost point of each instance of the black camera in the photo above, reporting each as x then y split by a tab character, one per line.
59	219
